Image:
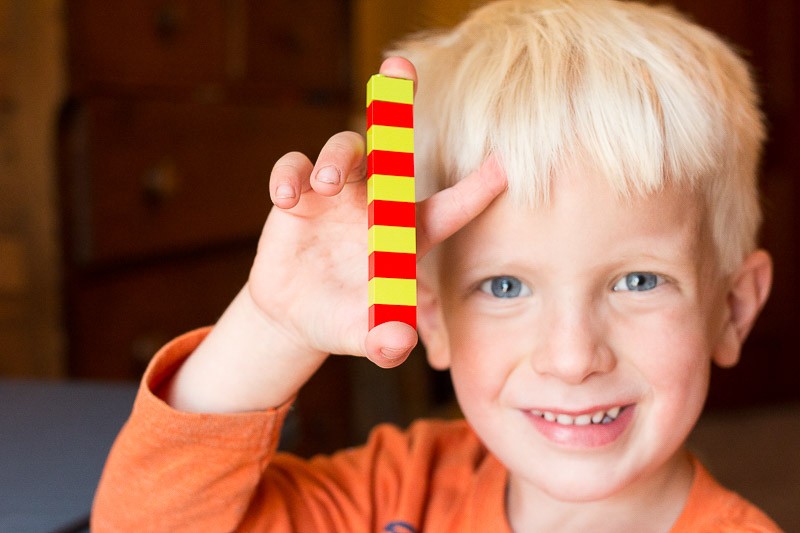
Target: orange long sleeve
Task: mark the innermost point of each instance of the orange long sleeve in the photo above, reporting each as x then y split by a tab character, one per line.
172	471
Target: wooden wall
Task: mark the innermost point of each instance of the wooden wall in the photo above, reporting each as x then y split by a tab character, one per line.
30	93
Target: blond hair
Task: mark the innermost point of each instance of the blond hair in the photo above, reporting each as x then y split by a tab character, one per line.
636	93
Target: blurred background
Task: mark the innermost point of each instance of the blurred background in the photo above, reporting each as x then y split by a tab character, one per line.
136	140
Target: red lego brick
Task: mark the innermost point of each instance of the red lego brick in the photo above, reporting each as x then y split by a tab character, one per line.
392	265
390	114
388	213
378	314
390	163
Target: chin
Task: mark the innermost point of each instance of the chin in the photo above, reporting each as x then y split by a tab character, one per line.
579	491
580	480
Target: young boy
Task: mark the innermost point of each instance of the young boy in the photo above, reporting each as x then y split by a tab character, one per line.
591	170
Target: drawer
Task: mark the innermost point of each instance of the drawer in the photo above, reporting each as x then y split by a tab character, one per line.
144	178
145	42
300	42
274	45
117	320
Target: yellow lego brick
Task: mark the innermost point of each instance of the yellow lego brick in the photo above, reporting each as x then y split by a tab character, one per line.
388	89
392	239
392	188
390	138
392	291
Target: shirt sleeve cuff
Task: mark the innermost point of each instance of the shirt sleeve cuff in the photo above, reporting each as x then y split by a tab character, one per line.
250	430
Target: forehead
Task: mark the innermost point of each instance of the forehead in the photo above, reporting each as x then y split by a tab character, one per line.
586	220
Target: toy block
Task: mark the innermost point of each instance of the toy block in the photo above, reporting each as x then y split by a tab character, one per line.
392	239
387	89
391	201
390	114
391	163
390	138
386	213
378	314
392	291
391	188
392	265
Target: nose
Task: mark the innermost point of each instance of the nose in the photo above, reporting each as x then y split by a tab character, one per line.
574	346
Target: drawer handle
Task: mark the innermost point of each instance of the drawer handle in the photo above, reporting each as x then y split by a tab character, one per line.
168	21
160	183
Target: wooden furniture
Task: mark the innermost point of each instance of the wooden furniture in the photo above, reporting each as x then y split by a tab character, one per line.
765	33
177	111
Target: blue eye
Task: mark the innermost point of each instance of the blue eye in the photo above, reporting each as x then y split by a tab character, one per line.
638	281
505	287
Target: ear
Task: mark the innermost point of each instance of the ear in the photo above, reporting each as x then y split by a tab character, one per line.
430	324
749	289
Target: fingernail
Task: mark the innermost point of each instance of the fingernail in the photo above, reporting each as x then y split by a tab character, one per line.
392	353
284	191
328	175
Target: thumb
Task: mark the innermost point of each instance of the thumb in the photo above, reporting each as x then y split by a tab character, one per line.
389	344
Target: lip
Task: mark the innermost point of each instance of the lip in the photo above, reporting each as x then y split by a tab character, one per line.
583	437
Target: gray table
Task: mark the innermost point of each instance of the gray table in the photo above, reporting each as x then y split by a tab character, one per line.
54	438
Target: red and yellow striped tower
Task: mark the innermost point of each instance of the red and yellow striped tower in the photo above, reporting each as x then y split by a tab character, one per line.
390	194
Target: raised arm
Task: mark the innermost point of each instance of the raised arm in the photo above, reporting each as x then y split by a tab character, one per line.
306	294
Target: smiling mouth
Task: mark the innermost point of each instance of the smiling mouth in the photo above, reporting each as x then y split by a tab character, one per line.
602	417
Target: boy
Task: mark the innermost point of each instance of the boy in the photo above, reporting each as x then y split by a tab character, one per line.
597	208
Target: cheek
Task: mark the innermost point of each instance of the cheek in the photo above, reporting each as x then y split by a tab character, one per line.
482	357
674	355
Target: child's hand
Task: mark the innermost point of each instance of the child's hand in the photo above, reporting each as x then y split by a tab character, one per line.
307	292
310	274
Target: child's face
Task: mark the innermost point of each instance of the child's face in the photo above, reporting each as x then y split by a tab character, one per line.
600	313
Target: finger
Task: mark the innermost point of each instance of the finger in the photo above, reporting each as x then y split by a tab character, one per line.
399	67
389	344
449	210
289	179
341	160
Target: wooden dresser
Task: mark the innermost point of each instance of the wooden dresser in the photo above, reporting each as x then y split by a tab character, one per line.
177	111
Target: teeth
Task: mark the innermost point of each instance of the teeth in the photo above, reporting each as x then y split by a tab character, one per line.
565	420
599	417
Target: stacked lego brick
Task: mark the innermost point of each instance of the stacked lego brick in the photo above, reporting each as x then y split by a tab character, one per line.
390	185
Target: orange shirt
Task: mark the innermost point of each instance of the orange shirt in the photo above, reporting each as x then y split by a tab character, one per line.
174	471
